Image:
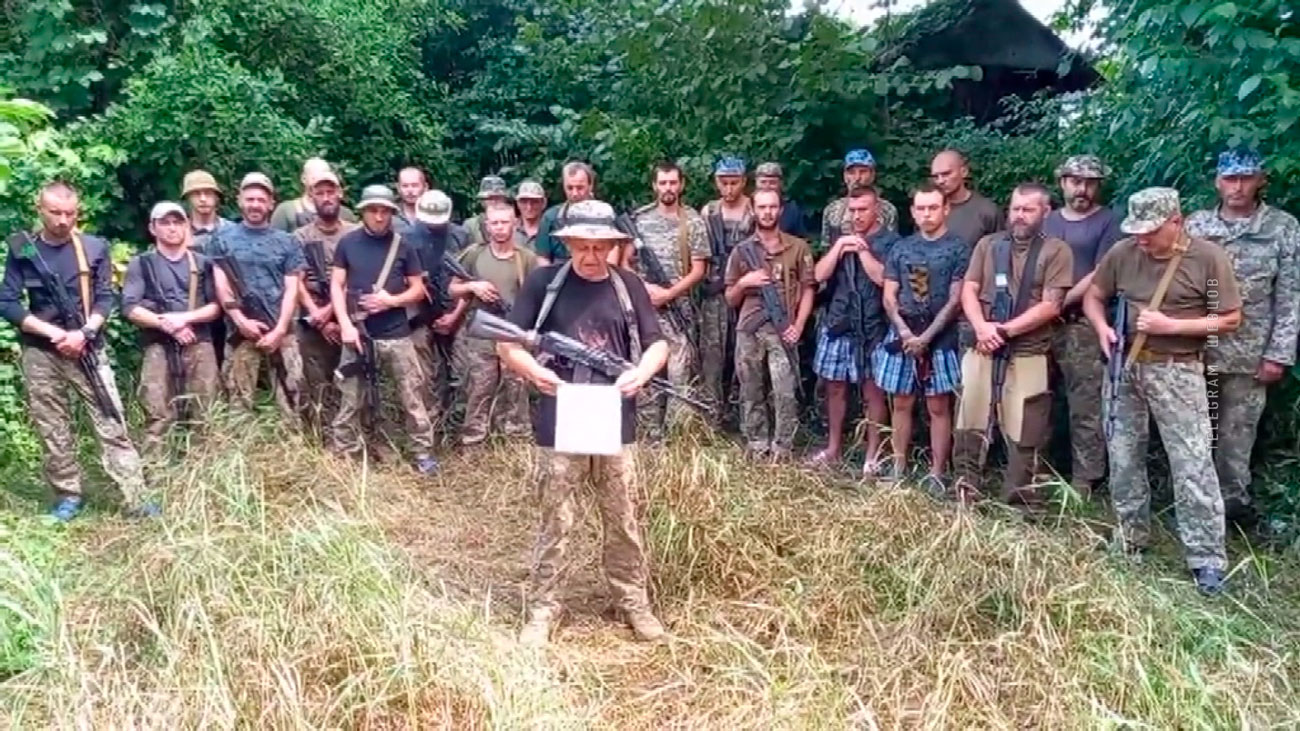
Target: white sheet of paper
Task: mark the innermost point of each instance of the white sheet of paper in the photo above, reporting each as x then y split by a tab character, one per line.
588	419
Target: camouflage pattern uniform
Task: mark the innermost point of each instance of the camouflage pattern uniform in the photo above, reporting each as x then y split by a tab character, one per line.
202	387
677	244
48	377
622	509
1173	392
319	356
399	359
716	326
760	350
1263	250
835	219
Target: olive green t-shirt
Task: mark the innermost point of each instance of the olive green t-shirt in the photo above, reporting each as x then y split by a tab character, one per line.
1204	283
1053	271
792	270
505	274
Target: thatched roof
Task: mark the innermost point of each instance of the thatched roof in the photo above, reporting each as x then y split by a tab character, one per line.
988	33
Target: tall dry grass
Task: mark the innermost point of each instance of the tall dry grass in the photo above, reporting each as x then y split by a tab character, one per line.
285	589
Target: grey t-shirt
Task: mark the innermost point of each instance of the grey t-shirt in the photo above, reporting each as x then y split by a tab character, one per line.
974	219
1089	238
172	280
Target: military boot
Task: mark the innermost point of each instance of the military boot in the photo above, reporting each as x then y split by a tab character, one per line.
537	630
645	625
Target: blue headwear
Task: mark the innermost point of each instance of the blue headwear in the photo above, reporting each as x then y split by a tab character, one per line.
729	165
1240	161
859	157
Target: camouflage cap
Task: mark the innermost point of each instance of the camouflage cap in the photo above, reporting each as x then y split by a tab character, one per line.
769	170
196	180
531	189
1240	161
492	186
1149	208
433	208
590	219
377	195
1083	166
729	165
853	158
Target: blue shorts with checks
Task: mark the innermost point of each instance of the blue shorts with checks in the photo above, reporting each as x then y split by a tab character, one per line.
896	373
836	358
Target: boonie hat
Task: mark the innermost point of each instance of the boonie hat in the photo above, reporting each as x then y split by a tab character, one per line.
1148	209
492	186
433	208
530	189
259	180
769	170
859	157
1240	161
162	209
729	165
377	195
196	180
590	219
1089	167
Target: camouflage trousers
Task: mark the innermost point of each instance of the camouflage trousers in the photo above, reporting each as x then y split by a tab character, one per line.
161	406
715	337
320	396
495	398
1075	350
760	354
397	357
244	364
1236	403
1175	395
620	501
434	353
657	412
48	377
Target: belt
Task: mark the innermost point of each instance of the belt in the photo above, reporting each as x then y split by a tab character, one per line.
1147	356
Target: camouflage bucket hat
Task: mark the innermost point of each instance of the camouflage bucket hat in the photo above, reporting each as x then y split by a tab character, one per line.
1240	161
196	180
530	190
1148	209
590	219
729	165
1089	167
492	186
769	170
433	208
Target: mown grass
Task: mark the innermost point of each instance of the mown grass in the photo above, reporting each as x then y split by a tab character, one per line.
286	589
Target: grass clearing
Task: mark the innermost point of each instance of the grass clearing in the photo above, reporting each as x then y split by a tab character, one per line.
287	589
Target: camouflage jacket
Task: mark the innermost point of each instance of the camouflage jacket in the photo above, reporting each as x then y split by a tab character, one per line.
833	218
1265	254
663	236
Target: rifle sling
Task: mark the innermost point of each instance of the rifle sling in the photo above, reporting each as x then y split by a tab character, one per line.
1157	299
388	261
83	275
1002	269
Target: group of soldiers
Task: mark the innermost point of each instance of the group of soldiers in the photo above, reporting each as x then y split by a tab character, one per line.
970	314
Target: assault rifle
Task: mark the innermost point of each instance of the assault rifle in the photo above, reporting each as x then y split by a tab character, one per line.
255	306
367	363
71	315
676	311
318	285
1115	364
773	308
1000	312
717	230
171	347
455	269
490	327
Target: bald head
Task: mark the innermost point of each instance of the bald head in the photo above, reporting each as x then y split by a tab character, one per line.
59	207
949	172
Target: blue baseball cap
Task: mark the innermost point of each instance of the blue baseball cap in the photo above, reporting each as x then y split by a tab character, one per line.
859	157
1240	161
729	165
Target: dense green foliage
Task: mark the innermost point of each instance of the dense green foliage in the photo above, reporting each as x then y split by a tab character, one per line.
144	91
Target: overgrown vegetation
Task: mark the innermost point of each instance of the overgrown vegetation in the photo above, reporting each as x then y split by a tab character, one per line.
300	591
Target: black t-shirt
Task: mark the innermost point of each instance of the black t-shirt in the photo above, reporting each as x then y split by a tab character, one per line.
362	255
172	279
589	312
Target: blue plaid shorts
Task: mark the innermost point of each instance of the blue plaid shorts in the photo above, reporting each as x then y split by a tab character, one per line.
896	373
836	358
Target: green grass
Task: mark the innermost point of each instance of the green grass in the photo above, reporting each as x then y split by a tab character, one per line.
285	589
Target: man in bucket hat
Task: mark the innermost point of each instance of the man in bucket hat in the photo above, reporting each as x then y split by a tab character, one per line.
1090	229
1181	292
1262	242
201	192
492	192
606	307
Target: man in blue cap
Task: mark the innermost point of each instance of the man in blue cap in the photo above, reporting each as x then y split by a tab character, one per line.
728	220
1262	243
859	172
